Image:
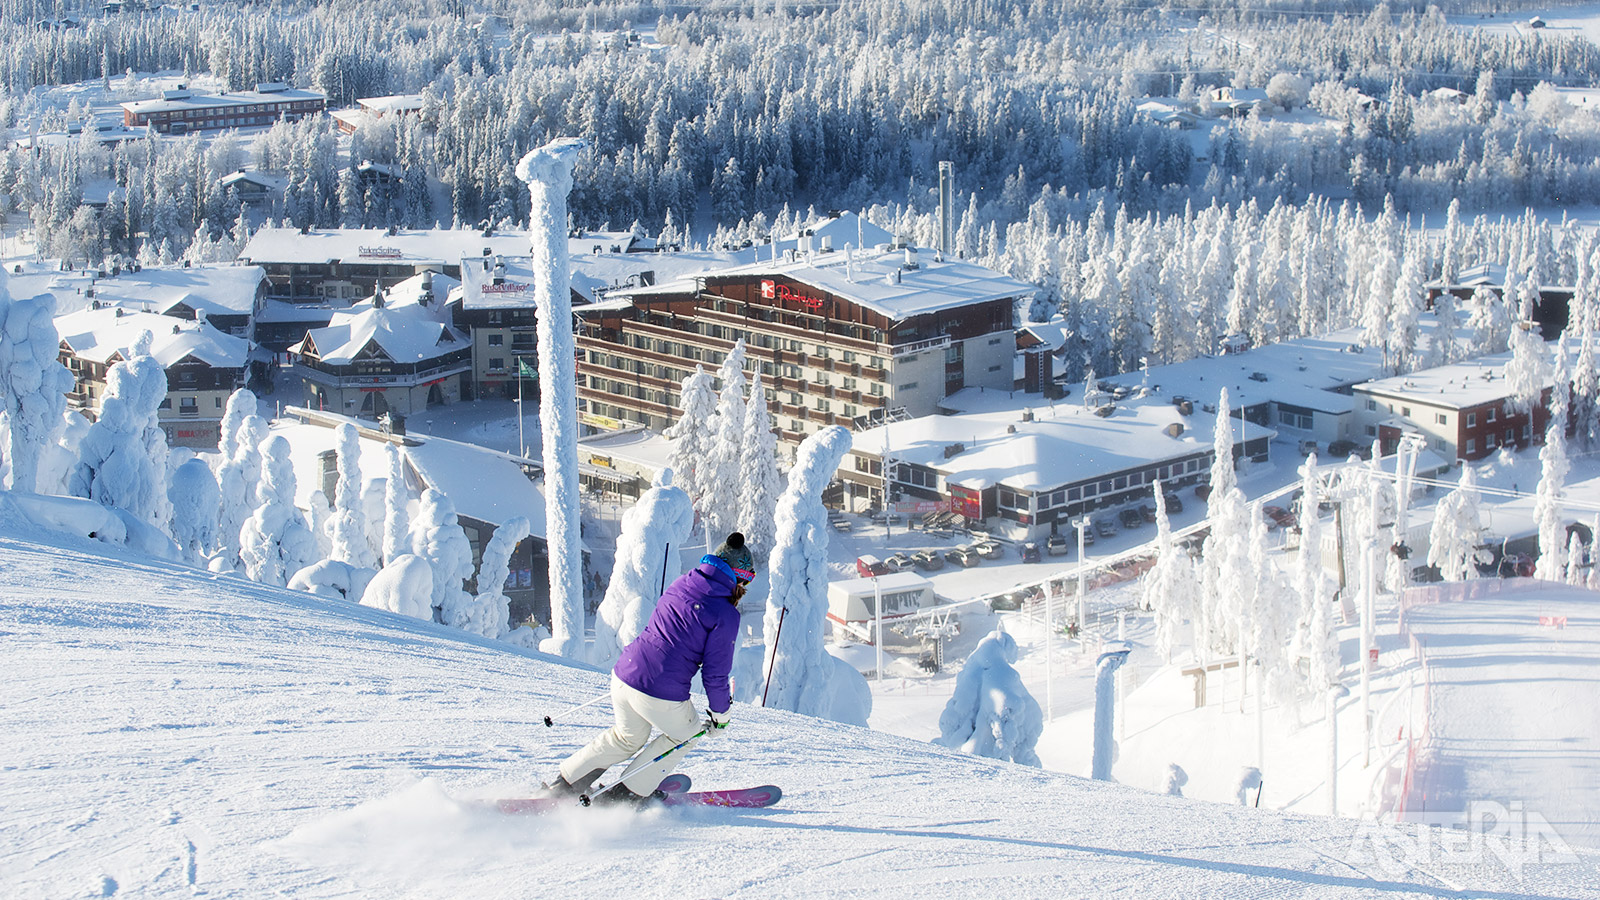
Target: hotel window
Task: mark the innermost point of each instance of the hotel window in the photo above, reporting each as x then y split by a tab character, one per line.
496	340
1472	420
1489	416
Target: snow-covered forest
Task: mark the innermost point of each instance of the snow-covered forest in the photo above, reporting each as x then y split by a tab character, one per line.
738	111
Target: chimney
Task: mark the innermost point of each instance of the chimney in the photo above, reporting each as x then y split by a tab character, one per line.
945	236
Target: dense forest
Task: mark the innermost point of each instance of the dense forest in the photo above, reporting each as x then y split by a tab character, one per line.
728	119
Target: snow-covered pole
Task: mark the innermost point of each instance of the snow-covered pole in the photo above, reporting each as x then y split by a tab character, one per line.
1082	524
1369	587
877	624
1049	650
1104	706
548	174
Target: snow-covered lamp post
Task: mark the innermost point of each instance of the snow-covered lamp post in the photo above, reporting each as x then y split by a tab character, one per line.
548	174
1082	524
1105	706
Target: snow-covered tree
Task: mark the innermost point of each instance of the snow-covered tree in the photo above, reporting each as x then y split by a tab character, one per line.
236	484
116	466
275	542
692	435
805	678
1224	582
1529	371
1457	530
33	384
991	712
241	403
192	490
1171	586
437	537
658	524
349	523
336	580
396	512
490	614
760	482
1554	466
548	173
719	496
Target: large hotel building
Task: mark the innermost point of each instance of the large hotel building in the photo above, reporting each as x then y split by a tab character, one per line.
841	337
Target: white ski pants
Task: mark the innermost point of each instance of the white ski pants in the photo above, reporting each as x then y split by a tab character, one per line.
637	713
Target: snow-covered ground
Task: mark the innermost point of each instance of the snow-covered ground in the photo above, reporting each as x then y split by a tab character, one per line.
1510	671
172	732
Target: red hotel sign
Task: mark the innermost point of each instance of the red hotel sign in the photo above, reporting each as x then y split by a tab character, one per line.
771	290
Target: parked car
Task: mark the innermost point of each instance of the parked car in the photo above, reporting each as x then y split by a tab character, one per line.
1057	545
927	560
1030	552
964	556
1105	527
1147	512
868	566
1130	518
1172	502
899	562
1088	535
1278	517
1203	491
1008	602
990	549
1339	451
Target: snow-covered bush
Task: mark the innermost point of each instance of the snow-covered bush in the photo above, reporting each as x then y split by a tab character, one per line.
194	496
991	712
121	465
1457	530
334	580
349	524
404	586
659	523
396	496
490	612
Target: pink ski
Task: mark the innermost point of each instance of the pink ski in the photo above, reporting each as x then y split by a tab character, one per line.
743	798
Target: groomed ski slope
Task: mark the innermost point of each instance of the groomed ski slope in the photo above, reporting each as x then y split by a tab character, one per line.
167	733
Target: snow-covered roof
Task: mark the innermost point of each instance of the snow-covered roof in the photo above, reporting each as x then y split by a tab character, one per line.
1052	334
1470	383
404	329
1303	372
101	334
593	275
878	279
264	180
392	103
208	290
171	101
435	246
1063	443
483	484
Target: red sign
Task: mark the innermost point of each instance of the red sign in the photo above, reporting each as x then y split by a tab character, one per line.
966	502
509	287
771	290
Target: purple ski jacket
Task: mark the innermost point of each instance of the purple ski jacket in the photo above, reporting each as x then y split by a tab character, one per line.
695	627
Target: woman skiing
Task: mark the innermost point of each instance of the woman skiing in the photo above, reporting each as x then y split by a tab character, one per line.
695	627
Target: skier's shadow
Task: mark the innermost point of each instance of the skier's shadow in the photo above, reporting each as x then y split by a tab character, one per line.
1249	870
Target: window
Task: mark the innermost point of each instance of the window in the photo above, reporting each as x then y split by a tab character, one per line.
1472	445
219	402
1472	420
1488	441
1372	404
496	363
1405	411
908	386
1511	435
1441	418
1489	416
1372	430
994	368
497	340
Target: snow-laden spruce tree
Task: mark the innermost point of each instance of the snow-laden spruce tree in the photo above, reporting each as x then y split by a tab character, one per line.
656	526
437	537
241	403
1529	371
1225	561
1311	581
33	384
116	466
490	612
1586	386
237	479
1457	529
1271	613
991	712
1489	321
804	677
720	493
349	523
405	586
192	490
760	481
1554	465
547	171
396	512
275	542
692	436
1171	586
319	513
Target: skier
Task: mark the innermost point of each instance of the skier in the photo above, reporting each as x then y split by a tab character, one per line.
694	628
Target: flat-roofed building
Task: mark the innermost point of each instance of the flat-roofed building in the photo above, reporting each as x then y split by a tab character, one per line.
183	110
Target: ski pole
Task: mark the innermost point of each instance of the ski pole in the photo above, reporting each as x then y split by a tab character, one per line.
550	720
775	637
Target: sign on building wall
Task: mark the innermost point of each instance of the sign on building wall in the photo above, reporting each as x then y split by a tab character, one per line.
966	502
771	290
